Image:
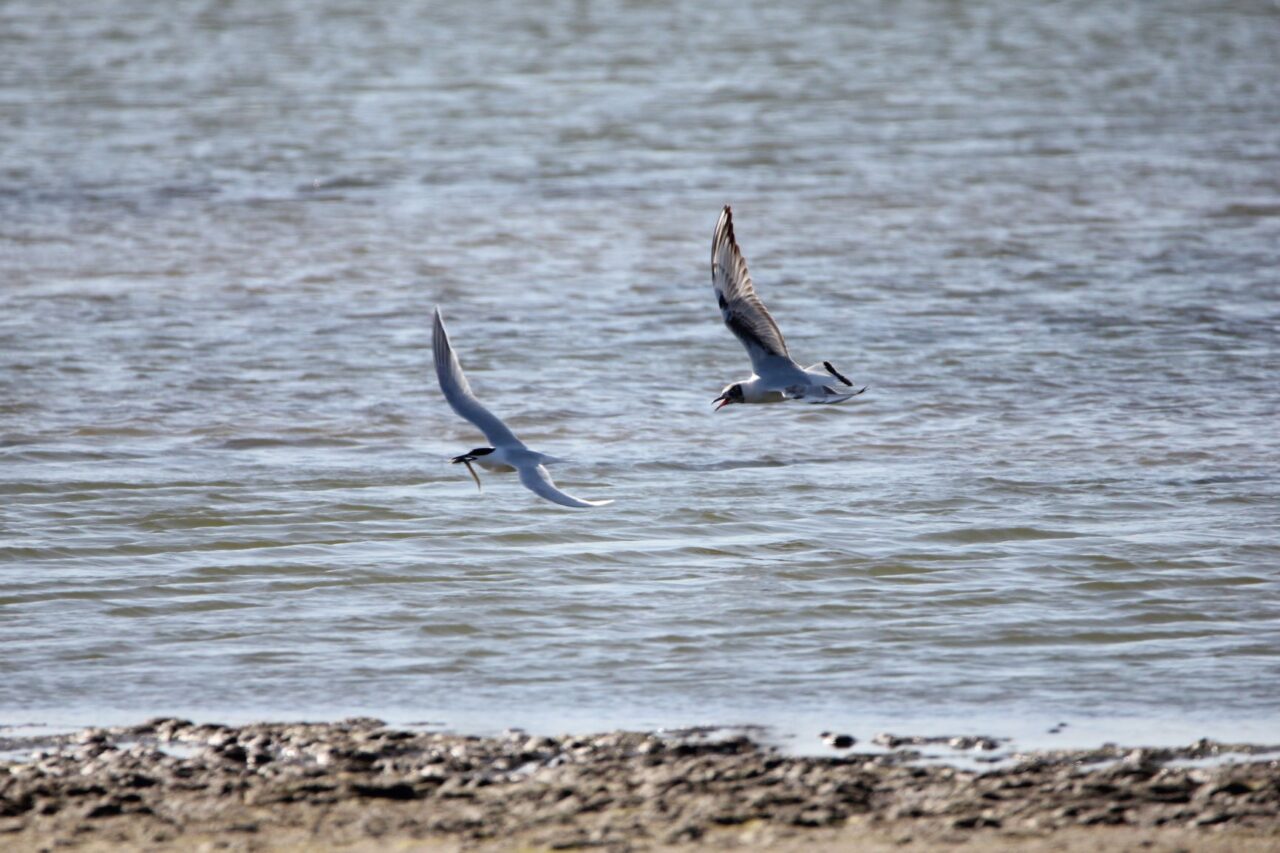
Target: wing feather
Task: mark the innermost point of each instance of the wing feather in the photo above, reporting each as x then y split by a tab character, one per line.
536	478
458	391
741	308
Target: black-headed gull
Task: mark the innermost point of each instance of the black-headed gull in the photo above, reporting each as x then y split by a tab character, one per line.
508	452
776	377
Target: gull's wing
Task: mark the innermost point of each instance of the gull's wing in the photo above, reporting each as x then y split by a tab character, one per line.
458	391
537	480
743	312
823	394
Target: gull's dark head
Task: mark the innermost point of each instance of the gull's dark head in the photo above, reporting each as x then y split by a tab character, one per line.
731	394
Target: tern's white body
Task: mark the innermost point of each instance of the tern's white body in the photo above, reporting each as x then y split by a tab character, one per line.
508	453
776	376
504	460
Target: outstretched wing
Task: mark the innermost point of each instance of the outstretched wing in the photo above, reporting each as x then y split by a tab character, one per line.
537	480
823	394
743	312
458	391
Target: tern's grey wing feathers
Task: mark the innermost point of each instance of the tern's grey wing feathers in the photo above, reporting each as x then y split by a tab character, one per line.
741	308
537	480
458	391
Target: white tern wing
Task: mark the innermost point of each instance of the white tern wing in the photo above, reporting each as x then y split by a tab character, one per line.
537	480
458	391
741	308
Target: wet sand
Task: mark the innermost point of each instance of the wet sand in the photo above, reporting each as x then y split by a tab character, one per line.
360	785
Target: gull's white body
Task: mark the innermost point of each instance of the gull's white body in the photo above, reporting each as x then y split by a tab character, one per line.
791	382
509	453
776	376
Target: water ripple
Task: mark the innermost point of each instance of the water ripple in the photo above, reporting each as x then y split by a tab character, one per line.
224	478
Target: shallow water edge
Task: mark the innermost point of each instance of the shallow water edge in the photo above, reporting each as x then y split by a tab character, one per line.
170	781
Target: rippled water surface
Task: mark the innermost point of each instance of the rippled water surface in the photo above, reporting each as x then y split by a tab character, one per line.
1046	236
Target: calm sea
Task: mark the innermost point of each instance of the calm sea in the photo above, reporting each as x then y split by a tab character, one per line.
1046	235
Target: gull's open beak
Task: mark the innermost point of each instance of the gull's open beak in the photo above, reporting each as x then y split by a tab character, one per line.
723	400
466	460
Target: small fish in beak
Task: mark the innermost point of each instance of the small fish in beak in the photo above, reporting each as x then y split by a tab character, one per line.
474	476
466	460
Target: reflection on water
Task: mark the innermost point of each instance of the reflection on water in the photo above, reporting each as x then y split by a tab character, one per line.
1045	237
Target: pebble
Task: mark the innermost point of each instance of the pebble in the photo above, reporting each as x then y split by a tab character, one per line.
609	789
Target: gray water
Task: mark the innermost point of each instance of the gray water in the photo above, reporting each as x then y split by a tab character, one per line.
1046	236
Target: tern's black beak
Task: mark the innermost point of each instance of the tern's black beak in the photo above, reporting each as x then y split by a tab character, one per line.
466	457
723	400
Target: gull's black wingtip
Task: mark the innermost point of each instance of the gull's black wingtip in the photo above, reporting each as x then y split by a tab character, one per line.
725	225
838	375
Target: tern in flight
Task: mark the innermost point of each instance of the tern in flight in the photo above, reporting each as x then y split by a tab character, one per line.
508	453
776	377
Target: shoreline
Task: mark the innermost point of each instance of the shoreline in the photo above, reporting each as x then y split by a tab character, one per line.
359	784
796	732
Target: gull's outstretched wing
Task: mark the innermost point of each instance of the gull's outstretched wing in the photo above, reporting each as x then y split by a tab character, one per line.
824	394
458	391
743	312
537	480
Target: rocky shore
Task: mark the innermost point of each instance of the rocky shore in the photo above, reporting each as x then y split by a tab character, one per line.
358	784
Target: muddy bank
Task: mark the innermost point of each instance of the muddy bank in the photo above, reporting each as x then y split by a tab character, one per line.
173	783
